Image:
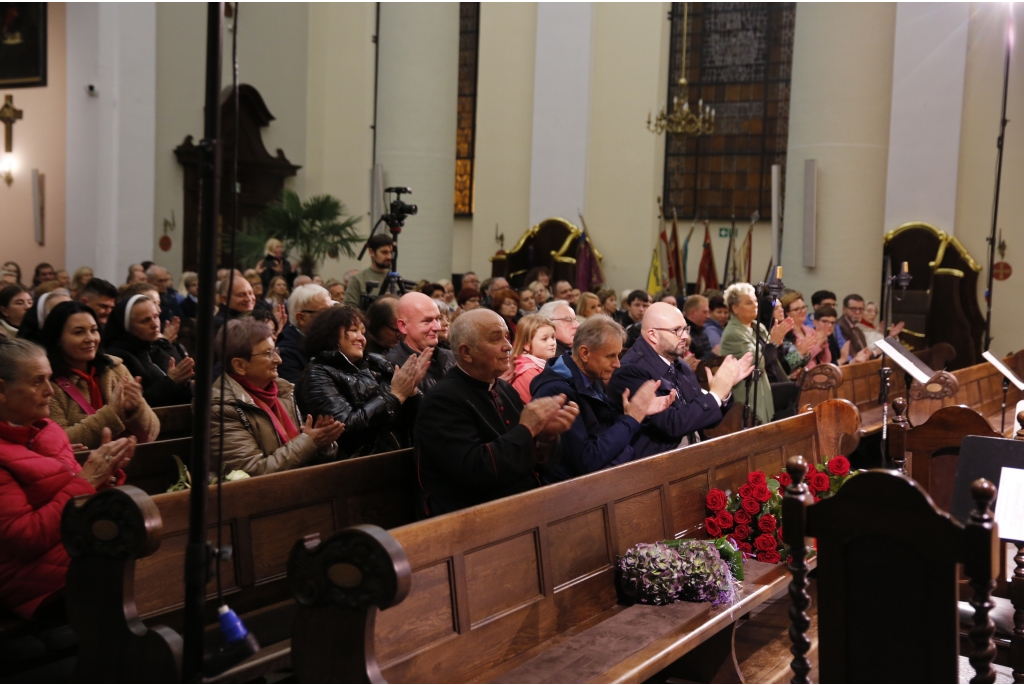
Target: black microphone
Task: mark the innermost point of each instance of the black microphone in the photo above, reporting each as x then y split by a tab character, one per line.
775	286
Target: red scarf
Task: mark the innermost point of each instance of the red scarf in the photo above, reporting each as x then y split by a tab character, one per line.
95	396
266	400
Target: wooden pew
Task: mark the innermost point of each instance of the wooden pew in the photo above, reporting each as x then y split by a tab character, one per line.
153	468
110	594
175	421
888	556
523	589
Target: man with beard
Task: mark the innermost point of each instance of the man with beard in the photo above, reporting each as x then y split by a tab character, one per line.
381	249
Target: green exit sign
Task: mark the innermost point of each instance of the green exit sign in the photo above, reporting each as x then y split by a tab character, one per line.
723	232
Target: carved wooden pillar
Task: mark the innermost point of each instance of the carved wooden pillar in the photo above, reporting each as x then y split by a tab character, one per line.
897	446
794	511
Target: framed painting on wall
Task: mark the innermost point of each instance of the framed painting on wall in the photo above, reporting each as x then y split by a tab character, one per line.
22	44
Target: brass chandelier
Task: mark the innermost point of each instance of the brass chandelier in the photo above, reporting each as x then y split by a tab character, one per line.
682	120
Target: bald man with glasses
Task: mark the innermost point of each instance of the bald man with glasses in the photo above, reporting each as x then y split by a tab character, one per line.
658	356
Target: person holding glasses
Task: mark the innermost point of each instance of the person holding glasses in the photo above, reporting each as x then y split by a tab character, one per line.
658	356
560	313
263	431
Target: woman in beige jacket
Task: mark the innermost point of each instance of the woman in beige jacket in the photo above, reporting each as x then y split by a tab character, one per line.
92	391
263	431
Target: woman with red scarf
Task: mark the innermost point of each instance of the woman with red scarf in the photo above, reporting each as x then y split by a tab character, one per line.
38	475
263	432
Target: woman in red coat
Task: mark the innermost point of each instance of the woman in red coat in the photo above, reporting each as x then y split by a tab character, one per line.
38	475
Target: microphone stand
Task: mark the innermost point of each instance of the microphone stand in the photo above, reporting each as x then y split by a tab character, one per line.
775	288
902	279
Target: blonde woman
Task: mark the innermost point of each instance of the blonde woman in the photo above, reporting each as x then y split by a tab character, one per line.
589	305
277	293
540	293
274	264
535	345
82	276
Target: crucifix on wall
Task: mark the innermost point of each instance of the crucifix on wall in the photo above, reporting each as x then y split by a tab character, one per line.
8	115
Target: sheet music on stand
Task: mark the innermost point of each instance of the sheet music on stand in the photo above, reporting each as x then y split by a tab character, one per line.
906	360
1000	461
1003	369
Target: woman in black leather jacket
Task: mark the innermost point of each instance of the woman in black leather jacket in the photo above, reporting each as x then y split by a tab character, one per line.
367	393
133	334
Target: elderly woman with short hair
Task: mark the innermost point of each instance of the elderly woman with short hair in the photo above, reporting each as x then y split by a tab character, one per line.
38	476
263	431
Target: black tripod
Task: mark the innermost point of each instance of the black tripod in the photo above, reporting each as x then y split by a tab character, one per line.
395	221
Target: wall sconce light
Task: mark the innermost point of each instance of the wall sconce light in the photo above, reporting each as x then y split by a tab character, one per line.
7	169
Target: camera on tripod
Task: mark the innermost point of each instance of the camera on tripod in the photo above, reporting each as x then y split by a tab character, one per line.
392	281
400	211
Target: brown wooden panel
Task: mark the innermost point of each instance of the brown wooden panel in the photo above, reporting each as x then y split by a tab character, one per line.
686	498
160	578
426	615
771	462
731	475
385	508
502	576
579	546
804	447
861	390
274	534
640	518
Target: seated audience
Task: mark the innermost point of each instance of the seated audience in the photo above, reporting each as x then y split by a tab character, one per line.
475	440
827	298
541	294
44	272
718	317
804	347
527	302
669	298
539	274
100	296
449	294
637	303
574	298
92	390
433	290
133	335
853	309
506	303
534	346
272	436
419	325
696	312
824	324
13	268
470	280
446	324
301	279
609	302
658	356
600	436
64	279
563	291
274	264
8	278
468	299
136	274
337	290
304	304
45	287
83	275
190	287
739	339
363	391
589	306
277	293
257	291
32	323
160	278
235	298
38	476
381	250
382	325
15	302
560	313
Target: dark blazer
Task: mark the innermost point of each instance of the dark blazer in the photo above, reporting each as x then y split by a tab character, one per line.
693	411
600	437
441	363
470	448
150	362
294	360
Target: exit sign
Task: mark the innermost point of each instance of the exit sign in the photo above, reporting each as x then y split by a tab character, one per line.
723	232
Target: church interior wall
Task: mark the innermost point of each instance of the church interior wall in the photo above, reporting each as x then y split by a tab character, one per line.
39	143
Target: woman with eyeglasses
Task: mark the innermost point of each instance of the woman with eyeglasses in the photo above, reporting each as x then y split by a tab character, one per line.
804	347
263	430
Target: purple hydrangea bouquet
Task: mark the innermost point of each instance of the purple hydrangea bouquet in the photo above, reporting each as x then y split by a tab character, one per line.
681	570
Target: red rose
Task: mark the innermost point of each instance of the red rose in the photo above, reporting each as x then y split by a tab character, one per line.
762	493
784	479
756	478
750	505
779	533
767	557
745	490
712	527
766	524
817	499
746	548
740	516
765	542
724	519
716	500
742	532
821	482
838	466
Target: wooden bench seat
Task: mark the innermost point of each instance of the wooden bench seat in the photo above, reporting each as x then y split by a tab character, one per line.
175	421
509	588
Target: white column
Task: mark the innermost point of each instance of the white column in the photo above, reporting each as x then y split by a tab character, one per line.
561	110
929	61
111	135
417	106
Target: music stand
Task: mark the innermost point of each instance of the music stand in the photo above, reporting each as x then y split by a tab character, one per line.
1008	377
914	367
983	457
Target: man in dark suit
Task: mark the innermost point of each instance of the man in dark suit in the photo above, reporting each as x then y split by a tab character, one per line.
305	302
657	355
475	441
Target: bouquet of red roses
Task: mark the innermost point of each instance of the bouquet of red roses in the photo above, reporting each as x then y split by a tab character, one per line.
752	516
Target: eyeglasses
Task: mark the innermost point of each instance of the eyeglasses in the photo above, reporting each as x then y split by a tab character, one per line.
678	332
567	318
801	308
269	354
856	309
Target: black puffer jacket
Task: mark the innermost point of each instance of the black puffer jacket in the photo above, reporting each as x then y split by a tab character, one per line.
441	363
147	360
358	395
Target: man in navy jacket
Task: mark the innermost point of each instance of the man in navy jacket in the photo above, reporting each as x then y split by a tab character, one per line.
664	337
600	436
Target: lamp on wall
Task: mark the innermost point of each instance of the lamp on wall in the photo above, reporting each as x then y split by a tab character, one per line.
682	119
7	169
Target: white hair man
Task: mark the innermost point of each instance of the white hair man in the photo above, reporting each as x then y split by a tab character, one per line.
566	323
419	322
657	356
475	440
305	302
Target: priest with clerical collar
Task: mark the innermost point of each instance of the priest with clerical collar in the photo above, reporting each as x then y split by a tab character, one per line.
475	441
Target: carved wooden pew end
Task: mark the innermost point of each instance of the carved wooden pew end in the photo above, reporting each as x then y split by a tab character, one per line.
340	584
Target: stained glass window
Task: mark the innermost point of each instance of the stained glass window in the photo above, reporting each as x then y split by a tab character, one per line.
465	137
739	60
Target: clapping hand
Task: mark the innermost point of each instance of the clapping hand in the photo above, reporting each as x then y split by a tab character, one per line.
780	329
408	377
106	459
127	397
691	361
281	316
547	417
171	329
731	372
326	430
646	401
183	372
